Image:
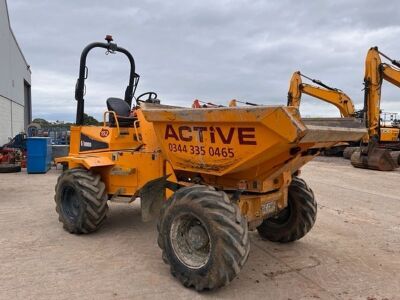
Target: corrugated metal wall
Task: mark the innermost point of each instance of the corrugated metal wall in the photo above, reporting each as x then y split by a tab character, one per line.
14	73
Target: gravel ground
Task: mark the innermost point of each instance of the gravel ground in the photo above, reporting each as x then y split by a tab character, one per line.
353	251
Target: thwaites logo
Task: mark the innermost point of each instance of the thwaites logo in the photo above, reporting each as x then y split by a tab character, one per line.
214	134
104	133
87	143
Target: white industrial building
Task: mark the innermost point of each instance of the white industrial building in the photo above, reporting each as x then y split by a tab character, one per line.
15	82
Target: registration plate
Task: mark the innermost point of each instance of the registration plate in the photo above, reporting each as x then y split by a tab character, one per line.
268	208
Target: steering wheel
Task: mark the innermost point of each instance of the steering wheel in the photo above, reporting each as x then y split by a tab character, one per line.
150	97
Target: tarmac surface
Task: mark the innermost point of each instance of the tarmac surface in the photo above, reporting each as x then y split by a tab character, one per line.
353	251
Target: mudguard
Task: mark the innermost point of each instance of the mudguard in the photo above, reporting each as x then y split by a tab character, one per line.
87	161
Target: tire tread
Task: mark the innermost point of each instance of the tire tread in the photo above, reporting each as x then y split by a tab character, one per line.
306	205
232	230
93	196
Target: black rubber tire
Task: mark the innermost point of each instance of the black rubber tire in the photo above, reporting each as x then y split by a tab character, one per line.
81	201
9	168
296	220
348	151
64	167
333	152
229	243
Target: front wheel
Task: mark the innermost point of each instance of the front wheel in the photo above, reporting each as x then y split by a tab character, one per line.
203	237
296	220
81	201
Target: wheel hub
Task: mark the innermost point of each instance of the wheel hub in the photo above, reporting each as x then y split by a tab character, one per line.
190	241
197	237
70	203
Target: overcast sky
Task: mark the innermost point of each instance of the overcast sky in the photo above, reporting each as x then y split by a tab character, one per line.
210	50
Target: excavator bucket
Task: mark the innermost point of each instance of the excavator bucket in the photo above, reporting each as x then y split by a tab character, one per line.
396	156
374	158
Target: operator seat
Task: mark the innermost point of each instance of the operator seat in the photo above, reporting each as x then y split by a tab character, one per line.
123	112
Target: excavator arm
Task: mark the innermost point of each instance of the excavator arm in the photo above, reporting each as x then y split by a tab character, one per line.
328	94
391	74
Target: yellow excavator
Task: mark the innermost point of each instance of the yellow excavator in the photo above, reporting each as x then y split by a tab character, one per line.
388	135
330	95
325	93
372	155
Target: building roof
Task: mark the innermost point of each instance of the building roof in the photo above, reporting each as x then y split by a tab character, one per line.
16	42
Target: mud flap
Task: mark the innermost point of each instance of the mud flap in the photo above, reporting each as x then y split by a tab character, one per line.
373	157
152	196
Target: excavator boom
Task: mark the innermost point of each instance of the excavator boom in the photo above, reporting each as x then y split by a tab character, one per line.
330	95
372	93
294	94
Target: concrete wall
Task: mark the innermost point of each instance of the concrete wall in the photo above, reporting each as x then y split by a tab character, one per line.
14	72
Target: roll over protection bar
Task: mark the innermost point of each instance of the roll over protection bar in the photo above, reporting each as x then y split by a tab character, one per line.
80	84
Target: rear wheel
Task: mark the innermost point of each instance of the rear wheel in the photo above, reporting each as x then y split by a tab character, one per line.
203	237
81	201
296	220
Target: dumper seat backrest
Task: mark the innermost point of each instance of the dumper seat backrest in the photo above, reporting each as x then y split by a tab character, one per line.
123	112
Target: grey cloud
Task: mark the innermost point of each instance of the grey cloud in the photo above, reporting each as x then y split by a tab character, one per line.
211	50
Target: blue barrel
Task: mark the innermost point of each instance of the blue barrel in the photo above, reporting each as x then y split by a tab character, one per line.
39	154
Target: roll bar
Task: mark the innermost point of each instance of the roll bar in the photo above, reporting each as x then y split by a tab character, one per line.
80	83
